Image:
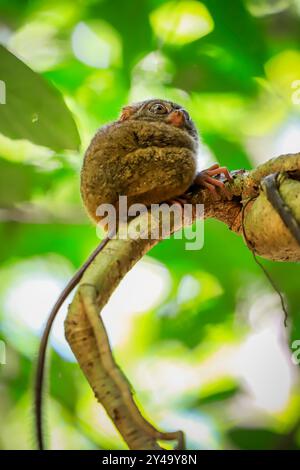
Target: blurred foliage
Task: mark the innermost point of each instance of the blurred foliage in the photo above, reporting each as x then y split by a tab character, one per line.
202	337
42	115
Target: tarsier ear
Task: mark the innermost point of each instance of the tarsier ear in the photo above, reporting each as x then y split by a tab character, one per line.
127	111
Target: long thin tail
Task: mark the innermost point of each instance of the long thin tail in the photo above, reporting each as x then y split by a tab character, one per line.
40	370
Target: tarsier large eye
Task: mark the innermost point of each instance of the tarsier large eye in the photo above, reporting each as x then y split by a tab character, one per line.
158	108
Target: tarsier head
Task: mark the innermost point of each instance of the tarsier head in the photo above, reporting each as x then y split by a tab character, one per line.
160	110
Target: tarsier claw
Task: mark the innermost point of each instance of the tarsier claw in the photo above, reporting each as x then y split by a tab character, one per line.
206	178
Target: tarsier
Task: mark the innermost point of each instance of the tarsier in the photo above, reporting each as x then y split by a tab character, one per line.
149	155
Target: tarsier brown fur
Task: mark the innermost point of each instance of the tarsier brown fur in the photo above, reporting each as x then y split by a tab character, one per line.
148	155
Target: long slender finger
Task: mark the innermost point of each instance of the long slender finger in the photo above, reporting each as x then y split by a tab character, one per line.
215	182
219	184
200	178
212	167
211	188
219	171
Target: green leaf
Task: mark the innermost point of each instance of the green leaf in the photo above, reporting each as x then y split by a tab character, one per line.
34	109
218	396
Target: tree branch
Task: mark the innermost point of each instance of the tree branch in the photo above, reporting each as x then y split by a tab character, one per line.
247	212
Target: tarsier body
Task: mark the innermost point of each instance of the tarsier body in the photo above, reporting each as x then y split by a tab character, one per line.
148	155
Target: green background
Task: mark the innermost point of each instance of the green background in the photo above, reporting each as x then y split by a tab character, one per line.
200	333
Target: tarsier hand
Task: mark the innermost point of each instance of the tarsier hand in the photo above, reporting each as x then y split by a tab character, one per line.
149	155
206	178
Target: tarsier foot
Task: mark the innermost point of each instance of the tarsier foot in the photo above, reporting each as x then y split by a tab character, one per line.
206	178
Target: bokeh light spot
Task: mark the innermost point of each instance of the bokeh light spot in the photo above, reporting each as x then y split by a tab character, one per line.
181	22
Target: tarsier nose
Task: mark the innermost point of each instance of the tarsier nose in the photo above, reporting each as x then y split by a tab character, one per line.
177	117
